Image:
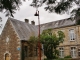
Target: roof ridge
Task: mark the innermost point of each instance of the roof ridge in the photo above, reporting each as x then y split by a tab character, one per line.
55	21
14	19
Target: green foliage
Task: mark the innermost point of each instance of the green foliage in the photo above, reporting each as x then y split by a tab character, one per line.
33	40
9	6
50	43
62	59
59	6
45	58
68	56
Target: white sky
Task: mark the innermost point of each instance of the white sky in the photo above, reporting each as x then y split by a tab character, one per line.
28	12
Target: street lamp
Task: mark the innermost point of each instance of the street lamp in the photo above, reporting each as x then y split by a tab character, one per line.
39	45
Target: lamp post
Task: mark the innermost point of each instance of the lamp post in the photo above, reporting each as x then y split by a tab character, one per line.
39	45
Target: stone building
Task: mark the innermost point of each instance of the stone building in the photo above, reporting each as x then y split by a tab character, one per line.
71	29
14	43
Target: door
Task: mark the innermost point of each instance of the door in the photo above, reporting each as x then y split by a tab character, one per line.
7	56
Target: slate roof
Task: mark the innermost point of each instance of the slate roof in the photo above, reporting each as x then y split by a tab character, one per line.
23	29
58	24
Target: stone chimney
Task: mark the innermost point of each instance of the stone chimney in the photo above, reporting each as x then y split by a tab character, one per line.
33	22
27	20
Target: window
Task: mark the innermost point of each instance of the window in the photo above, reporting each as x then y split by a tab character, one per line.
72	35
35	51
79	52
61	52
25	51
7	39
73	52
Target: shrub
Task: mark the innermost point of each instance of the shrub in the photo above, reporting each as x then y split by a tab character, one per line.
57	59
68	56
46	59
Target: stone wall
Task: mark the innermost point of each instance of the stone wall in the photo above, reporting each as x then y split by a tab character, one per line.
9	43
67	44
30	52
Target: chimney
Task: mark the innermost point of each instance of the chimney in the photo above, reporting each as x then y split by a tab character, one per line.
27	20
32	22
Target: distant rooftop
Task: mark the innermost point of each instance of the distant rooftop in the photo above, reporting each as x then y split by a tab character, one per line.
58	24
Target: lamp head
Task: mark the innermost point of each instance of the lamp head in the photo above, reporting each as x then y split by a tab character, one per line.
36	14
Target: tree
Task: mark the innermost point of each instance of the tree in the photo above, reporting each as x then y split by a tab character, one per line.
59	6
33	41
50	42
9	6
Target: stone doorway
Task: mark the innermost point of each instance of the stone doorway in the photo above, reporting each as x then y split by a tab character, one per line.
7	57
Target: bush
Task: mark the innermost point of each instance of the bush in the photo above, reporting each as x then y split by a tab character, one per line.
57	59
47	59
62	59
65	58
68	56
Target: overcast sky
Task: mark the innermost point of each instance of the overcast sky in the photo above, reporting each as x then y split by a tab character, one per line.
28	12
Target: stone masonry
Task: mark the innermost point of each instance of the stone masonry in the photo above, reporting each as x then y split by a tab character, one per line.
9	42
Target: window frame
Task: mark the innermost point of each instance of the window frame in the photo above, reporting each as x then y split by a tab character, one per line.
78	52
25	51
73	52
61	52
72	34
36	50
